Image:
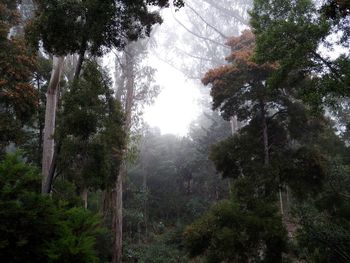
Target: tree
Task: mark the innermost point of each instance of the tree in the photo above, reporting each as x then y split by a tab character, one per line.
230	233
240	88
276	152
292	34
135	89
17	95
79	26
89	130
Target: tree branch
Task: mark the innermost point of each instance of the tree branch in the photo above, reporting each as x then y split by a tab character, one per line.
228	12
197	35
209	25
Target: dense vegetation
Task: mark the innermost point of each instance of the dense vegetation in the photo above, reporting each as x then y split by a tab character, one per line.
262	176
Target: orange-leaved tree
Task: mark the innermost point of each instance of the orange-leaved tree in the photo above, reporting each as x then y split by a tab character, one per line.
17	96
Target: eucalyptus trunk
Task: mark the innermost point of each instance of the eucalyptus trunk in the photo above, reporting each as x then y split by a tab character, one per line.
49	126
118	196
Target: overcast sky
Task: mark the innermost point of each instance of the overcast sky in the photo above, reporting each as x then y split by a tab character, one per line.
177	104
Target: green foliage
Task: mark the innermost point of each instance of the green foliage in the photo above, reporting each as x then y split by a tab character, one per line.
323	238
290	33
76	239
324	229
91	130
231	233
166	247
35	227
70	26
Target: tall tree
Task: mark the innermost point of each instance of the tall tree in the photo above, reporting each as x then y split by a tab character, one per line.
297	35
273	118
301	36
135	89
17	65
79	26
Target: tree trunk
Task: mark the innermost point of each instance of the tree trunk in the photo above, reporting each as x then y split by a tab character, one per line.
117	219
234	125
84	197
118	208
50	117
50	177
40	126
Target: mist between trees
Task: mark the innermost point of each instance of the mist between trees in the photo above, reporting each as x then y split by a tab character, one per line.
262	174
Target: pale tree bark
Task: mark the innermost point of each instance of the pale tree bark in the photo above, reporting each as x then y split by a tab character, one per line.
50	118
84	197
234	125
118	192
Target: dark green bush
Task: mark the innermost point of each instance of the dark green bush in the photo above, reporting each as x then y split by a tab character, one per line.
36	228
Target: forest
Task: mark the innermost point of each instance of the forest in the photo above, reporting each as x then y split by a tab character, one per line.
262	173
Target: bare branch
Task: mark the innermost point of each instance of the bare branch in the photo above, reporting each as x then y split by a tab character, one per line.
197	35
209	25
232	13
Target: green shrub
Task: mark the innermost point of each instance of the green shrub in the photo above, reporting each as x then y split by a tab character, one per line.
34	227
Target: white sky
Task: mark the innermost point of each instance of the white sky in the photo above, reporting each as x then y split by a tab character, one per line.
177	104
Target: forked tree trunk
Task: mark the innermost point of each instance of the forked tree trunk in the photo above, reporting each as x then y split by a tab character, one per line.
50	117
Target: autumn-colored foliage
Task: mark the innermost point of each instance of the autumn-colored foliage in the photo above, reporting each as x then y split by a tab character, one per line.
18	98
16	67
236	77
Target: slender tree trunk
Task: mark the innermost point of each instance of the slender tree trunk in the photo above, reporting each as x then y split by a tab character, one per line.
234	124
118	208
50	117
117	219
84	197
40	126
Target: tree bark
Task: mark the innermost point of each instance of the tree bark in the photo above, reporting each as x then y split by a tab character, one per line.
50	118
50	177
40	126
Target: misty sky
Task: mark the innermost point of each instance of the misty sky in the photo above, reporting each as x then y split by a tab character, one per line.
177	104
